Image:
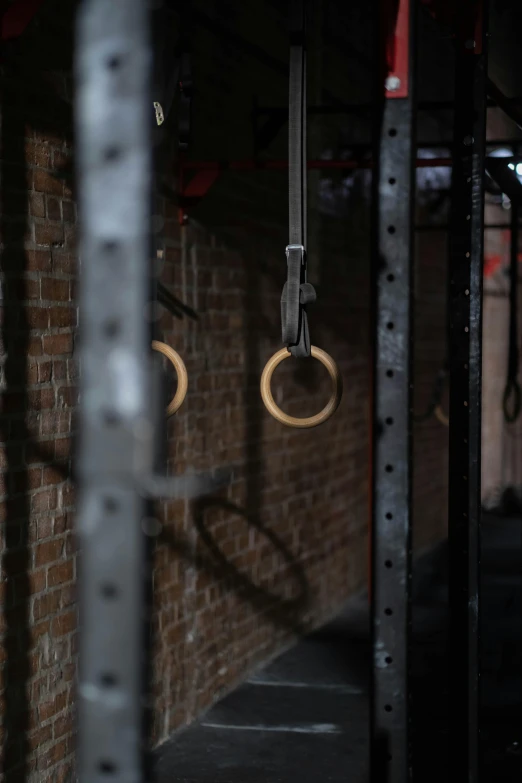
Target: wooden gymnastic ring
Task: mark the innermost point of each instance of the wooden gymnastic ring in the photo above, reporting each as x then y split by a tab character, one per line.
181	371
309	421
441	416
513	391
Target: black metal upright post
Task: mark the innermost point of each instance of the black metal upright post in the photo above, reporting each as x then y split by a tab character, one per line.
466	250
393	195
116	450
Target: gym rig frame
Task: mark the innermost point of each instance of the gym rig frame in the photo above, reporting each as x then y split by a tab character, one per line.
121	437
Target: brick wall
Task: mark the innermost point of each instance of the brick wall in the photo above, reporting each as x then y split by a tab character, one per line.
279	550
38	377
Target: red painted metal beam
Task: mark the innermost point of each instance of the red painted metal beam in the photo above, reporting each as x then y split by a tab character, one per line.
281	165
208	171
397	49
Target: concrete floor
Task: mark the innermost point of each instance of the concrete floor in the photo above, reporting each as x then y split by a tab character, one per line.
305	717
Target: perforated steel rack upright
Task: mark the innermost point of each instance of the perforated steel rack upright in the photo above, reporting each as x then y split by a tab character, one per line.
466	251
116	429
392	263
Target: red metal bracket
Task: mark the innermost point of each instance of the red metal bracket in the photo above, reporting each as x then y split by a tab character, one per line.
17	17
193	191
397	49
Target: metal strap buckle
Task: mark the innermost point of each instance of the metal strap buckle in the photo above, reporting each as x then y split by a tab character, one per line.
296	247
296	295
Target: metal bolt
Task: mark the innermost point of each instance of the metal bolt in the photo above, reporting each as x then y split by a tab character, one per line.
392	83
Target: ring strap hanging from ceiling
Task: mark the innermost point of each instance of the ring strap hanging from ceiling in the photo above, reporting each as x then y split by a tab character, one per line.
508	181
297	292
512	401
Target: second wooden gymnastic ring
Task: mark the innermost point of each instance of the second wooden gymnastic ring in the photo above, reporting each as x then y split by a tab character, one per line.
308	421
181	371
441	416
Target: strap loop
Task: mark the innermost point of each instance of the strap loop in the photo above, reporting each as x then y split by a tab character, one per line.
297	292
290	299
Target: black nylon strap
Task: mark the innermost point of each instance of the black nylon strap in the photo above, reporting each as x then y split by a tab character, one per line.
297	293
512	401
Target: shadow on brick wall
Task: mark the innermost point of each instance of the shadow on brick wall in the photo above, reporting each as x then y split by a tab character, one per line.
16	562
28	106
214	562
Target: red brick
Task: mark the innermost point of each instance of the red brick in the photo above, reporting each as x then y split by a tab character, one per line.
45	182
62	448
40	737
71	237
64	773
40	399
64	623
44	501
37	154
69	670
38	630
68	596
55	290
54	423
37	317
49	234
54	211
32	374
44	372
45	528
60	524
53	706
37	205
58	344
67	396
71	545
34	346
61	159
61	317
52	475
73	370
59	370
37	581
58	574
62	726
68	495
69	212
48	552
38	260
64	262
46	605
